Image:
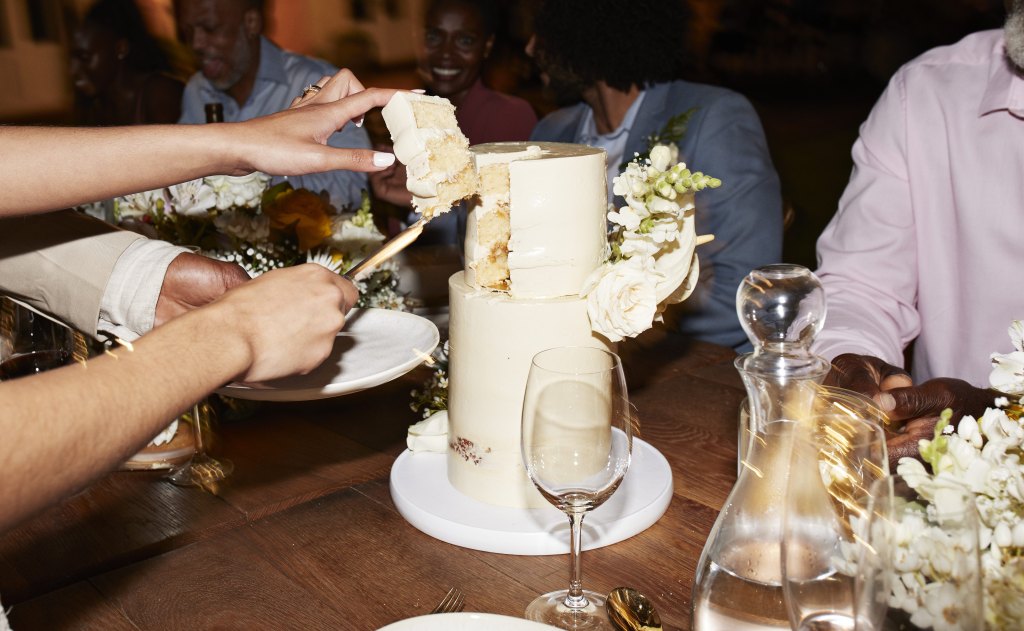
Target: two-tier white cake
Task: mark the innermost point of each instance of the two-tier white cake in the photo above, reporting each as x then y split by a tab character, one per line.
535	232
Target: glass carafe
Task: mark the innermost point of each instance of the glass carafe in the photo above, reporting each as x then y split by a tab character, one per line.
739	584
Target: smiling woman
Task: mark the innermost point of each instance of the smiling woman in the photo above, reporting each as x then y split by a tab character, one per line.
458	36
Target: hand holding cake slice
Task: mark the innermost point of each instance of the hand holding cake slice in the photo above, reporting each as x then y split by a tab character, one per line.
435	152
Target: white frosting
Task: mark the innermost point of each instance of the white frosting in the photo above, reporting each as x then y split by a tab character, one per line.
557	206
430	434
493	339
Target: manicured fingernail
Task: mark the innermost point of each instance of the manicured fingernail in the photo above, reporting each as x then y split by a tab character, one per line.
381	159
418	91
887	402
359	121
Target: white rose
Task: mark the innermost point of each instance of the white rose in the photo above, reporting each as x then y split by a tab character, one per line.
621	298
191	198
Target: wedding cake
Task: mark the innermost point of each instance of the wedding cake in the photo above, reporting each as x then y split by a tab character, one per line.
541	270
535	232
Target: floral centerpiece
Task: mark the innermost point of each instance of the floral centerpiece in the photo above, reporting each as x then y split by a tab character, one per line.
261	227
985	455
652	262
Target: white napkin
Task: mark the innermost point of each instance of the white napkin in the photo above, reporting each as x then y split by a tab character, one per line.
430	434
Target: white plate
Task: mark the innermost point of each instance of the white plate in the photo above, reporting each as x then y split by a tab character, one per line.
376	346
466	622
424	497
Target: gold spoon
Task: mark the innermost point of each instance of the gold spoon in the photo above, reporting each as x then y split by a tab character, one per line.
629	610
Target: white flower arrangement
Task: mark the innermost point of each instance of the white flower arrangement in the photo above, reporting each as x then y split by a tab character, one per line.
244	220
652	262
985	455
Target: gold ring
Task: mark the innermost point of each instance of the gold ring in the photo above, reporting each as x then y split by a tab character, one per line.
314	88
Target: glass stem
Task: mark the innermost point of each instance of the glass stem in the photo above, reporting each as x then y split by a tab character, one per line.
575	599
197	430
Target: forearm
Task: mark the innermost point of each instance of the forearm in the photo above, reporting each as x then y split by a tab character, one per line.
79	421
46	168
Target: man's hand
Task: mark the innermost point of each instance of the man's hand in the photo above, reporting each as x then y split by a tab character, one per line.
192	281
913	410
916	409
866	374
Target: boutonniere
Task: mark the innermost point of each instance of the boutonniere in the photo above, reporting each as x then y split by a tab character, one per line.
673	132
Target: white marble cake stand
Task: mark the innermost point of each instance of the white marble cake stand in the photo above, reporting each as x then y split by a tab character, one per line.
425	498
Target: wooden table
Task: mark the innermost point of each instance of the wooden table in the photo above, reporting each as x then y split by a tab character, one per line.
306	536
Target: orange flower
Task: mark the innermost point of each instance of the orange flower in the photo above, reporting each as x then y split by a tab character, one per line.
304	212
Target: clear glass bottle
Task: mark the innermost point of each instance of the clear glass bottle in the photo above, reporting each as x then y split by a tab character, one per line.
738	586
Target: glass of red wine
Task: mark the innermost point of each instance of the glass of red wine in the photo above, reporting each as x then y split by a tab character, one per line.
31	342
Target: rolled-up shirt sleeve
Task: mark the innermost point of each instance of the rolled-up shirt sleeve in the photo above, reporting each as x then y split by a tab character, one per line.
128	307
87	273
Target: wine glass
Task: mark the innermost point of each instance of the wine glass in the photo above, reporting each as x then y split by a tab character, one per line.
31	342
576	443
838	452
202	469
919	564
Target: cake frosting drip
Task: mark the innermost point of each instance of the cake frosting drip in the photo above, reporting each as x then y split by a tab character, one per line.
435	152
537	228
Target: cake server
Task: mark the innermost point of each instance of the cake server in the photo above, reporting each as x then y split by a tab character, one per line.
391	247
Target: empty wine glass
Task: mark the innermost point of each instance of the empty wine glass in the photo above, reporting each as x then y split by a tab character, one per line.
576	442
837	454
919	564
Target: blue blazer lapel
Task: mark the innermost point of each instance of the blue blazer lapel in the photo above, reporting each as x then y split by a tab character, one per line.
649	119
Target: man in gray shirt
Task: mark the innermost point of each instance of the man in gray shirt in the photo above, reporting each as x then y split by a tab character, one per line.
251	76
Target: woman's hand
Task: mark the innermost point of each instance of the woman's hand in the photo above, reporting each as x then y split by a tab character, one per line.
287	318
294	141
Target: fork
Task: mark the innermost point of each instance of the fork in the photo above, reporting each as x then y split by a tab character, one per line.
453	601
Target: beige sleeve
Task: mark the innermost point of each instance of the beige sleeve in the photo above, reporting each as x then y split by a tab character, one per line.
60	263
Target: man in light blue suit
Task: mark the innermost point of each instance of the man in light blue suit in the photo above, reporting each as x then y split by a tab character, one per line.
615	62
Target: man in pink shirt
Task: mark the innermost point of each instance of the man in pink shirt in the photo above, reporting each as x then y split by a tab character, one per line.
924	247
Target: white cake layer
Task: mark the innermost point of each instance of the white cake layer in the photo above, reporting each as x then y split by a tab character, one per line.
557	206
410	140
493	339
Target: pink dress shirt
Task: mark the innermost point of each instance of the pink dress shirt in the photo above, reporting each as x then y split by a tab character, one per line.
928	241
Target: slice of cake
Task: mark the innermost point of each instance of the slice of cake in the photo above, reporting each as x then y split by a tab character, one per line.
435	152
